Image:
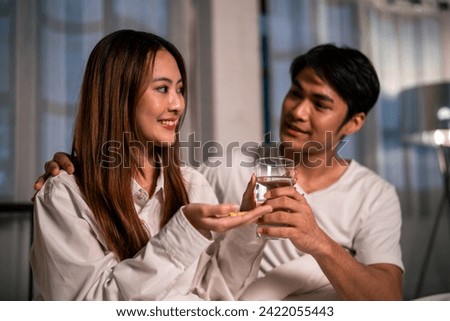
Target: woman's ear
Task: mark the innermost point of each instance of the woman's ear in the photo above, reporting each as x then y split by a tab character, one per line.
353	124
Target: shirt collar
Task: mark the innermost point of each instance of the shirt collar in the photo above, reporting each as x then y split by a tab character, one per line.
141	196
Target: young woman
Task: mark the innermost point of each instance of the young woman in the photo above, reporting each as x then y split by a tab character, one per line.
131	223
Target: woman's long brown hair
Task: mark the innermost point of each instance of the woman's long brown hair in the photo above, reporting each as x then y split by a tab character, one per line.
105	135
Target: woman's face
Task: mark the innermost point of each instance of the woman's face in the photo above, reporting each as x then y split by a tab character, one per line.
162	104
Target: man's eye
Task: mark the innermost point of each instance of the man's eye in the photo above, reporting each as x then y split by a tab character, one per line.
321	106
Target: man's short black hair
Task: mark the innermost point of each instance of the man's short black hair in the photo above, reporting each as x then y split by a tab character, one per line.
346	70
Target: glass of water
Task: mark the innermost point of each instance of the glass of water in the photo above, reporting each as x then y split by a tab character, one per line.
272	172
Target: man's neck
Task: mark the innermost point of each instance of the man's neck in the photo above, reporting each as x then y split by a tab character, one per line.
320	173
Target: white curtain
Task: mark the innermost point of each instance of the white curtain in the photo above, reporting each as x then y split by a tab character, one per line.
293	27
410	51
67	32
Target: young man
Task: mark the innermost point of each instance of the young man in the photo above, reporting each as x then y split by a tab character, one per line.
341	239
342	221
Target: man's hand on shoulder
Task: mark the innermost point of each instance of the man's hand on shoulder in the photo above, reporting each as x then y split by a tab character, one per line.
52	167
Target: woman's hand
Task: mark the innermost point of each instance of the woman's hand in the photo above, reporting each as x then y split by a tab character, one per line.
292	210
52	167
220	218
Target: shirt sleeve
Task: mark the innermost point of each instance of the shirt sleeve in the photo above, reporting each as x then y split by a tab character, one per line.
229	265
70	260
232	262
378	239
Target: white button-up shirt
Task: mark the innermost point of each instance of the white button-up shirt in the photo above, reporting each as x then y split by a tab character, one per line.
71	261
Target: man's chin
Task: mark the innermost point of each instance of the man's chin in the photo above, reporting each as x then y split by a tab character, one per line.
297	143
289	147
307	147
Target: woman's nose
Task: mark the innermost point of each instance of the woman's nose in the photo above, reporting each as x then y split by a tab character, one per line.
176	102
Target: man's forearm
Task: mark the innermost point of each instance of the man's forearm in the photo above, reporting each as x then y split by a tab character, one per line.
353	280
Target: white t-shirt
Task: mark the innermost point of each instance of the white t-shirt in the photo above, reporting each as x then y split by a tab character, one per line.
360	211
71	261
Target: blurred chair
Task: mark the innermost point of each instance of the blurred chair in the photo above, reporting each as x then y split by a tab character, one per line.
16	230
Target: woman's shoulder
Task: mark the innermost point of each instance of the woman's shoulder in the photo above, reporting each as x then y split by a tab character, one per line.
63	182
191	174
197	186
61	194
63	178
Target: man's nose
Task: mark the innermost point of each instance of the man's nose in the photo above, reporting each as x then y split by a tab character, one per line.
302	110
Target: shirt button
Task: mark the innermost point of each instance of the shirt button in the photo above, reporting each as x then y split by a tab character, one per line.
142	195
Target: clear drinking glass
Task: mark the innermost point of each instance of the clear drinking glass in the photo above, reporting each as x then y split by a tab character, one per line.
273	172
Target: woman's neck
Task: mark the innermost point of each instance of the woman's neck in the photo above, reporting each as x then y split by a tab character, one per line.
147	174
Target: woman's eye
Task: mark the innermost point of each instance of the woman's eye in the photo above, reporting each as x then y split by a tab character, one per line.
162	89
180	90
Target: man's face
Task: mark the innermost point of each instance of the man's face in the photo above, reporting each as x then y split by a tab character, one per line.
312	115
